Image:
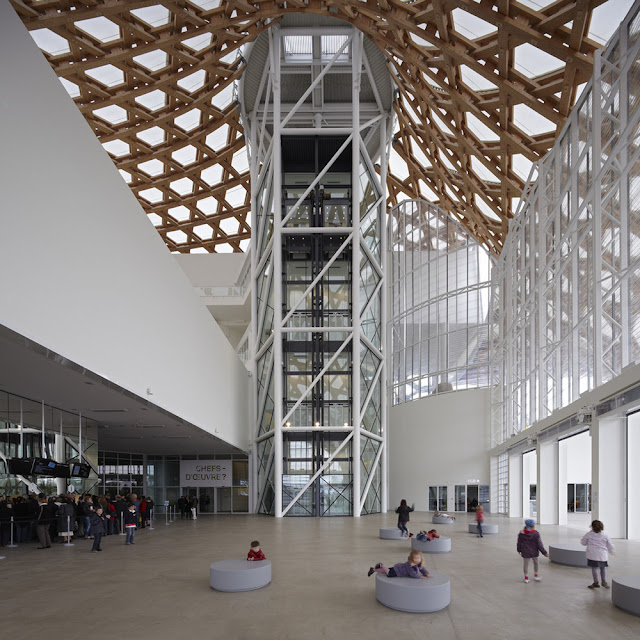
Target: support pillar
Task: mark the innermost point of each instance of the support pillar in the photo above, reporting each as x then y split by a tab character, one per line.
547	494
516	492
609	474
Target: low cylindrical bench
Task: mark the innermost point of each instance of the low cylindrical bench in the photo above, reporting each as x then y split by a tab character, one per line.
486	528
391	533
625	594
239	574
437	545
572	554
441	520
412	594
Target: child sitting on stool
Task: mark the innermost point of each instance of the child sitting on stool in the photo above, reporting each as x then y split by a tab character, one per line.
255	553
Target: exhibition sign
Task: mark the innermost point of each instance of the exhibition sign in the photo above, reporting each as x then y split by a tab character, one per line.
205	473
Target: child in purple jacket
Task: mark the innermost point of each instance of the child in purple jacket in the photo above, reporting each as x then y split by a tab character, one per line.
411	569
530	547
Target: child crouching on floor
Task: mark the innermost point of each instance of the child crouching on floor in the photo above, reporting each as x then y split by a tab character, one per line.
411	569
255	553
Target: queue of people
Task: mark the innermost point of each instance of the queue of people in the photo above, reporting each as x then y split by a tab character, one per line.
60	518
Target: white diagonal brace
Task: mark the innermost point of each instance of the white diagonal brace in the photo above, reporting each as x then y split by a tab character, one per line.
317	279
318	472
314	382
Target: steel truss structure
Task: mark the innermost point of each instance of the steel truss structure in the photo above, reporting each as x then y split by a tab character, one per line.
440	291
155	81
566	287
318	278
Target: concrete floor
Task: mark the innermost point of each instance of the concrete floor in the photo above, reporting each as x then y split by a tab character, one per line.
160	587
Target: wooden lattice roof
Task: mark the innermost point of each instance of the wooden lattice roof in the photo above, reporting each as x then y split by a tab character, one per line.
155	80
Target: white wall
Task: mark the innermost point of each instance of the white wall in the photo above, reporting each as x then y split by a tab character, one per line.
440	440
578	452
84	271
211	269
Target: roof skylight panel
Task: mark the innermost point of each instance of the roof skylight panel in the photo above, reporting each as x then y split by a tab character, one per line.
100	28
50	42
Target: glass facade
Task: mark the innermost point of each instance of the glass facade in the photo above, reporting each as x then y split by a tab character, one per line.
440	283
566	285
159	477
30	429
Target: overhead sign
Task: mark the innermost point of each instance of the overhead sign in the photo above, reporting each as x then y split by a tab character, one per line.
205	473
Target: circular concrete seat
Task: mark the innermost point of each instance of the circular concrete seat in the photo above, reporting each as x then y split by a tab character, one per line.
437	545
412	594
239	574
441	520
572	554
625	594
486	528
391	533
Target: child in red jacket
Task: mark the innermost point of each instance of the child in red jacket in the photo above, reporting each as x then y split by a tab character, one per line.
255	553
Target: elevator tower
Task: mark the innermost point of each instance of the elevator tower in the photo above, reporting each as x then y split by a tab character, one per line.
316	100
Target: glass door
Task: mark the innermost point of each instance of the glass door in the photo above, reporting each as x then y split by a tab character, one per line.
206	500
583	498
442	498
438	498
472	497
571	498
461	497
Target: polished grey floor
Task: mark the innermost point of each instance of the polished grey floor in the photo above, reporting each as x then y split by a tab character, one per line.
159	588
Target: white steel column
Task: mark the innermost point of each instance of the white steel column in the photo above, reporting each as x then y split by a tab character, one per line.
278	394
384	330
356	66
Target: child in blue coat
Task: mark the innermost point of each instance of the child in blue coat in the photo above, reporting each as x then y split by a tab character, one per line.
530	547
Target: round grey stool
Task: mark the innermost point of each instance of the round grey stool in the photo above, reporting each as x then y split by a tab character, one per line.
391	533
437	545
486	528
412	594
625	594
573	554
441	520
239	574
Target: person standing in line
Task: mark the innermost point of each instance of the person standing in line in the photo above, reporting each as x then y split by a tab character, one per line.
479	520
530	547
194	507
97	528
130	523
87	509
403	512
45	517
599	546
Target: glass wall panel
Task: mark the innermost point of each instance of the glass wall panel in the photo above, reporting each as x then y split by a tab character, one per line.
440	300
566	277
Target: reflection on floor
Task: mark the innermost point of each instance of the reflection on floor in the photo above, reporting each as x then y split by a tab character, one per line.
159	588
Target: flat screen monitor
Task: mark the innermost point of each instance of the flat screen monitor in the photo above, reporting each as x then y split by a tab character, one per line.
80	470
20	466
46	467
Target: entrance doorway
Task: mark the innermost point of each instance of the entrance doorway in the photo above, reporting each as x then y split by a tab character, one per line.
578	498
205	495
